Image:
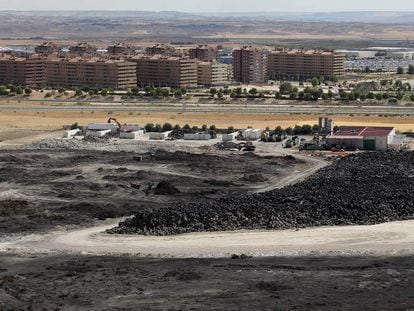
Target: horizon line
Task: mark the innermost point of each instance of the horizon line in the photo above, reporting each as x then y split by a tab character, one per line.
206	12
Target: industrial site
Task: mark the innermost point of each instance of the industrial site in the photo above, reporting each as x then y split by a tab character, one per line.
206	161
110	189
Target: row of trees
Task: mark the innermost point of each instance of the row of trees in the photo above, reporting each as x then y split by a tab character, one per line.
410	70
305	129
151	127
6	90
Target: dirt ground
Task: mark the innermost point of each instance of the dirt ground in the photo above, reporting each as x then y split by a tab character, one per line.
56	120
43	189
69	282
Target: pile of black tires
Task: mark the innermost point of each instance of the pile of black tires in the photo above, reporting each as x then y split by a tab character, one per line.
361	189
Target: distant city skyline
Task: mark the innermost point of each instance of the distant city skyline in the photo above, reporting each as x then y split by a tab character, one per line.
212	5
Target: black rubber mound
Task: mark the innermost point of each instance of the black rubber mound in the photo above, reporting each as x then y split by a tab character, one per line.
361	189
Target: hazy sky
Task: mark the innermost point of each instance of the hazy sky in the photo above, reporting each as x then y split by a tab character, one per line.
211	5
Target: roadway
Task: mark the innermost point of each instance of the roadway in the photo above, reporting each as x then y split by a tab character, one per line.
230	108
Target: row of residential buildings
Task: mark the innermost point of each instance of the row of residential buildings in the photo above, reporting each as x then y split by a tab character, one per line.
254	65
155	70
122	67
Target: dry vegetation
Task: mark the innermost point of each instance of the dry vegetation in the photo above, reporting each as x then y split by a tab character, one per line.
55	120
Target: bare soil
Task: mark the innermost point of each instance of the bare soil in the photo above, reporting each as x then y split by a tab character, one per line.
128	283
43	189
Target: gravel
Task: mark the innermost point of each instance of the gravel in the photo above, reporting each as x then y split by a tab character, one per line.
361	189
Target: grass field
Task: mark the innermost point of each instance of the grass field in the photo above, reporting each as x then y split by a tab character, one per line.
55	120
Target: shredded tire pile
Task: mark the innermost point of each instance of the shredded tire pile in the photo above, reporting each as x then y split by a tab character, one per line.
361	189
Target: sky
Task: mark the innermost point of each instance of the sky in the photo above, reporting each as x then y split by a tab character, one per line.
212	5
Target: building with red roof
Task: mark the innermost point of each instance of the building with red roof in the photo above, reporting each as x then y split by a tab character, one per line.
362	137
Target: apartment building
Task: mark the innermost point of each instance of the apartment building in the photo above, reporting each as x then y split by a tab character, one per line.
160	49
120	49
204	53
166	71
47	48
212	74
82	48
250	65
303	64
26	71
91	72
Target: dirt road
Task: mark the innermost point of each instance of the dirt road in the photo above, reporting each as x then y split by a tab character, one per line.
386	239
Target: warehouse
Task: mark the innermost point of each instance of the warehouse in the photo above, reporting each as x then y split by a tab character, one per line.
362	137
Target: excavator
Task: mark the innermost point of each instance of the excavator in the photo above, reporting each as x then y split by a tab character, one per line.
117	123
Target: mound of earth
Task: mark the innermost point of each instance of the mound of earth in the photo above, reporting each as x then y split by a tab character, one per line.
361	189
166	188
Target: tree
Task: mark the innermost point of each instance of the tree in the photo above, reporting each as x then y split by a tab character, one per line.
28	91
400	70
19	90
384	83
186	127
157	128
104	92
286	88
316	93
178	93
3	91
278	129
78	92
253	91
220	94
315	81
213	128
149	127
204	127
378	96
213	91
167	127
410	69
11	88
278	95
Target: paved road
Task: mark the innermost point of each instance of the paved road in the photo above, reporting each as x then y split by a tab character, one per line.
217	108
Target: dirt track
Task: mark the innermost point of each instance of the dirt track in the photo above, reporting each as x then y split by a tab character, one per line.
395	238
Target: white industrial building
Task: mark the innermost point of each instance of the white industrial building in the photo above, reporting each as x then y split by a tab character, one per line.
159	135
229	137
400	54
70	133
358	53
131	132
252	134
102	127
197	136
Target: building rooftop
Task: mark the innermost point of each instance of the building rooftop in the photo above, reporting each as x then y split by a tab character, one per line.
362	131
161	57
94	59
303	51
14	57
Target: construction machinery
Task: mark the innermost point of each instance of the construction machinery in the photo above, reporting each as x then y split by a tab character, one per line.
243	146
116	121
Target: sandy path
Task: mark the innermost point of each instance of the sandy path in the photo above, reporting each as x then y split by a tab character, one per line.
395	238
